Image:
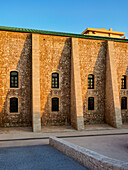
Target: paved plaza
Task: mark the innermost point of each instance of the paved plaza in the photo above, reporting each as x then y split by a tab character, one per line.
19	147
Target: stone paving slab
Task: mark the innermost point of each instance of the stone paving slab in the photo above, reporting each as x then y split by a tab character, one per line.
114	146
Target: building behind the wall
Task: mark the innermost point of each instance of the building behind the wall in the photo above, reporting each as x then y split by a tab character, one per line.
90	68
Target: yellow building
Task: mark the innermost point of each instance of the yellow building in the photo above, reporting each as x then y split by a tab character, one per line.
103	32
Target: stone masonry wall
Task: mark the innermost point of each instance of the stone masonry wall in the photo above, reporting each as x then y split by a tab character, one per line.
15	54
55	56
92	61
121	62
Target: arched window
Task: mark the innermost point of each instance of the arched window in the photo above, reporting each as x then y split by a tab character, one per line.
124	103
55	104
14	79
123	82
55	80
90	81
91	103
13	105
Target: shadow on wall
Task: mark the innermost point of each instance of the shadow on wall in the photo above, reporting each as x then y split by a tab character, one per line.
62	117
24	92
96	116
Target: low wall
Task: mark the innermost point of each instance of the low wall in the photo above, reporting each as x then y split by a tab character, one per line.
87	157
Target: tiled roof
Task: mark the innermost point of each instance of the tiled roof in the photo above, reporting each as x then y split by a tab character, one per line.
24	30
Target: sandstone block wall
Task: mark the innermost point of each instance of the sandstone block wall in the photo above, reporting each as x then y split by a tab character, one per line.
92	54
15	54
55	56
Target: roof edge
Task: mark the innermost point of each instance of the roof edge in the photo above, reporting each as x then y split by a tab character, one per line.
25	30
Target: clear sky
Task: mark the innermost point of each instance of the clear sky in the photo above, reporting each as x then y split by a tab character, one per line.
71	16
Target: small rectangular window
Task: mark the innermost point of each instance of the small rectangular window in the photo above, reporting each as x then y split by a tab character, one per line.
90	81
55	104
13	79
91	103
123	82
13	105
55	80
124	103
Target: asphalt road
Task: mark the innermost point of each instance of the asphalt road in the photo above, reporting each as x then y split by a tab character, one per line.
41	157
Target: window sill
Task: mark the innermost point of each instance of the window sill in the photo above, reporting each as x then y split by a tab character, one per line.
12	88
15	113
55	89
91	111
91	89
54	111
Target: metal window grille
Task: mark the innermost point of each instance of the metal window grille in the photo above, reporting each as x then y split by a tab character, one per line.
55	80
123	82
14	79
90	81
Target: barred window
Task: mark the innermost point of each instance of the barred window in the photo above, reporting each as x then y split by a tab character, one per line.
13	105
55	104
14	79
123	82
91	103
55	80
90	81
124	103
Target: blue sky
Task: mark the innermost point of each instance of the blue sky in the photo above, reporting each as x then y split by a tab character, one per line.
71	16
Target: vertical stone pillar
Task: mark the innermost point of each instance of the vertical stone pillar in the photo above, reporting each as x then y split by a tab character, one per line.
36	114
112	103
77	120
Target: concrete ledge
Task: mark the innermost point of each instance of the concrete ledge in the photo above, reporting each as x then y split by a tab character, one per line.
87	157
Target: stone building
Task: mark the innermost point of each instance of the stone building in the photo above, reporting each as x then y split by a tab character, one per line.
54	78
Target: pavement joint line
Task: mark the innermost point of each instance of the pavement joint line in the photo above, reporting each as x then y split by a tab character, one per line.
37	138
